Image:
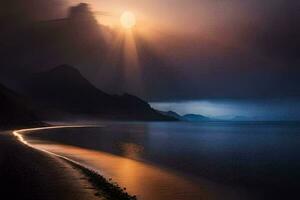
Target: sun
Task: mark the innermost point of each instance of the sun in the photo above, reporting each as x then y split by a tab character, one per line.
128	20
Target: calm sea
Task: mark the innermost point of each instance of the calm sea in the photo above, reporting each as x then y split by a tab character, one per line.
185	161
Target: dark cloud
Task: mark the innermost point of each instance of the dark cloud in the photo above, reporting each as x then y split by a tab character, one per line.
279	35
260	60
16	11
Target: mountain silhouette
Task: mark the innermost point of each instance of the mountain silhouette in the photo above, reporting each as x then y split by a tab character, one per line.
95	49
14	110
172	114
187	117
65	89
195	118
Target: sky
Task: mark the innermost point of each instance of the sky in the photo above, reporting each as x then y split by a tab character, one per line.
244	50
228	109
194	14
217	49
212	19
179	51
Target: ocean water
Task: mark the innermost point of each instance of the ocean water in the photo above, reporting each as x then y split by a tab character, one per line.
185	161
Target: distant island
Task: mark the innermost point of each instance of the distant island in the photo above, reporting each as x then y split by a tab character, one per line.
187	117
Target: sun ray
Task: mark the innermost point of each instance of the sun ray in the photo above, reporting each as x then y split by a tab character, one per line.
132	73
128	20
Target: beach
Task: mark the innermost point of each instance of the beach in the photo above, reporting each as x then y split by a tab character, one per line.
99	162
29	174
184	160
144	180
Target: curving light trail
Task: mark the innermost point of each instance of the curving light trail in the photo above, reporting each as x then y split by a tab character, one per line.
20	137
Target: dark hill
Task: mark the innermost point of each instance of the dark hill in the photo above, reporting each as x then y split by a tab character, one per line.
172	114
13	110
187	117
65	89
195	118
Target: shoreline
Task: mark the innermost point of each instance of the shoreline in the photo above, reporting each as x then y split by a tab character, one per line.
109	164
179	181
29	174
104	188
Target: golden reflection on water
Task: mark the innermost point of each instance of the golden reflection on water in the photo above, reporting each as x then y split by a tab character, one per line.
146	181
131	150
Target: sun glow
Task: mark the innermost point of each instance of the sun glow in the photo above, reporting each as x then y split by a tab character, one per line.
128	20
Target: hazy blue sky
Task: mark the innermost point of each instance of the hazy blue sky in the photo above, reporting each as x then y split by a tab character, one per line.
228	109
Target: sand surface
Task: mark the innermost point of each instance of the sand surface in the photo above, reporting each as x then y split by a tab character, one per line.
26	173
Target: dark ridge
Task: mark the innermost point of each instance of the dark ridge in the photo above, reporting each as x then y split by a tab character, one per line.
64	69
15	112
65	89
187	117
195	117
172	114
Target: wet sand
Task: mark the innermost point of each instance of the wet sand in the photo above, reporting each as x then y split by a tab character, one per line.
26	173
